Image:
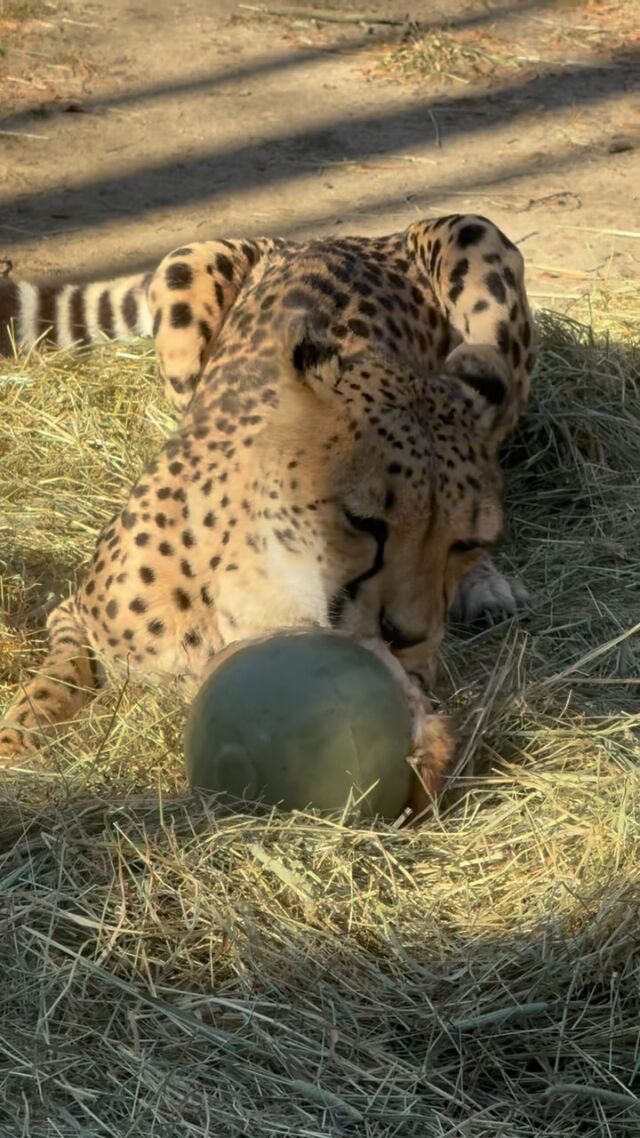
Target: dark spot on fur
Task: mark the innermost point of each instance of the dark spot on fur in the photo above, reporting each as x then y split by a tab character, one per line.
470	235
458	273
496	287
309	354
179	275
504	339
181	315
489	386
367	308
182	599
435	253
224	266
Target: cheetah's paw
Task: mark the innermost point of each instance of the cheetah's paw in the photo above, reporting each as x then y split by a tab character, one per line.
486	597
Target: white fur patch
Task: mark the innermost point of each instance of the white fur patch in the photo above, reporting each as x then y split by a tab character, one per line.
485	595
28	319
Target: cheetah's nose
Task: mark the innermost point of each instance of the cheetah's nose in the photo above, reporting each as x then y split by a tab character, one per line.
395	637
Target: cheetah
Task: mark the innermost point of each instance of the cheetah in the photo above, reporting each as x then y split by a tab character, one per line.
341	403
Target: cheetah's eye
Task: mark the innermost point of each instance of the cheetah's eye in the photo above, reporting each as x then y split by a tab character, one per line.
467	547
377	527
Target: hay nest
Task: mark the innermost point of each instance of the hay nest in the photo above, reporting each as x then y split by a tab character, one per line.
167	971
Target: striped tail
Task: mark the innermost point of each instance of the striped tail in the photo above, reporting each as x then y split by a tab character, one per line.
65	315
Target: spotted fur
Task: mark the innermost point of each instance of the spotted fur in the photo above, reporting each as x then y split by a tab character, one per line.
341	402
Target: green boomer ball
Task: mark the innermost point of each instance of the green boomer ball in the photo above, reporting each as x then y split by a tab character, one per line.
302	719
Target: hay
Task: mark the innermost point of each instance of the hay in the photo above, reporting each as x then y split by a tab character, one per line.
442	55
167	971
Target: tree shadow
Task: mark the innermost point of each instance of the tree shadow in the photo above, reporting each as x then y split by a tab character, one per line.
283	160
208	84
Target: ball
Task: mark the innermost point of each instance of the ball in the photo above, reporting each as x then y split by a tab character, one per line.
299	720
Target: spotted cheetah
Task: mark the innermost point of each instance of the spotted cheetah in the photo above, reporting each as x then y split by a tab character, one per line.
341	403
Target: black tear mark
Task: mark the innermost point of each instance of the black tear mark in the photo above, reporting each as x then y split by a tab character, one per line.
469	546
379	531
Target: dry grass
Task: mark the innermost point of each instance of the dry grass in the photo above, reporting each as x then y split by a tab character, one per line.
20	9
518	41
445	55
171	972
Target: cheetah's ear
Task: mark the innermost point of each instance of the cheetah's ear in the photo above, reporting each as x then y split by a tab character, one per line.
484	372
314	359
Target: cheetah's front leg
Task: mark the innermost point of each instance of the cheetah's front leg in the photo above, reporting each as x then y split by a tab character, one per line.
477	275
60	687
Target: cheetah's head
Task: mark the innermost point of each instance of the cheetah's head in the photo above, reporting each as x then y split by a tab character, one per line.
396	490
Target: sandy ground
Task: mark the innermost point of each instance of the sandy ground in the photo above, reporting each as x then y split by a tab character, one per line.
127	129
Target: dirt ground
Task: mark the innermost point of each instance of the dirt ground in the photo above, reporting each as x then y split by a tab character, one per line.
127	129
